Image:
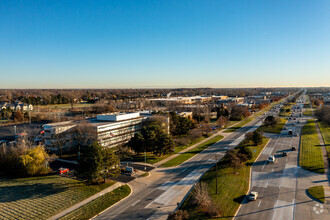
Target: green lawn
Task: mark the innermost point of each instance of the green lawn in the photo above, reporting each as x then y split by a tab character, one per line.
98	205
231	187
239	125
192	152
308	112
310	156
325	130
277	129
152	159
317	192
42	197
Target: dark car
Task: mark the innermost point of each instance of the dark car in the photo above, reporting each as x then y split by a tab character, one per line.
293	148
285	153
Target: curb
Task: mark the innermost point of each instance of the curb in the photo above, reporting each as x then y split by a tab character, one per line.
251	177
116	202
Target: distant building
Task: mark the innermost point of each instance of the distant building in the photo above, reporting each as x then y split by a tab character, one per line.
180	100
16	106
109	130
186	114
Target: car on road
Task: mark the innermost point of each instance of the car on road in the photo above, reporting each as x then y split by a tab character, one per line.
271	159
253	196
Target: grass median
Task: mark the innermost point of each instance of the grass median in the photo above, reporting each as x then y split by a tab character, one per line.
99	204
317	192
325	130
152	159
42	197
239	125
308	112
190	153
310	156
231	187
277	129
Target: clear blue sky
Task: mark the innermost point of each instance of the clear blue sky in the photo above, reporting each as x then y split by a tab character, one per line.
134	44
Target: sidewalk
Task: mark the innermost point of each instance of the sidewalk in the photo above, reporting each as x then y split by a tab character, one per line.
74	207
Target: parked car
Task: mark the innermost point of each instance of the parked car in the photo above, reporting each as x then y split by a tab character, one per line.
253	196
293	148
271	159
63	170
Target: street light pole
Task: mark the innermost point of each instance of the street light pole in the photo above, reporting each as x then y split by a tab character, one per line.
216	174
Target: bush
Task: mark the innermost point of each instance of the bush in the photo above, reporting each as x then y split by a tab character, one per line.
179	215
213	211
246	151
201	195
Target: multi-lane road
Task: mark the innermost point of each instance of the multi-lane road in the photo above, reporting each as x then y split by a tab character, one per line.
159	194
282	185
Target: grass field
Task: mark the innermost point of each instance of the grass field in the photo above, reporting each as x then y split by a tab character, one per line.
42	197
231	187
310	156
277	129
98	205
325	130
317	192
190	153
152	159
239	125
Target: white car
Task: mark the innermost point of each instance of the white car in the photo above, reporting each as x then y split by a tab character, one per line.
271	159
253	196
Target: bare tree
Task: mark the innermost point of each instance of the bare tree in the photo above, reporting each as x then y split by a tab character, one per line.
200	195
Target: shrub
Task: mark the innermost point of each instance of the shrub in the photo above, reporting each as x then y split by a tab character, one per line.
246	151
213	211
201	195
179	215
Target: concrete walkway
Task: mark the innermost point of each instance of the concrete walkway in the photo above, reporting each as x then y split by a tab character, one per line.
74	207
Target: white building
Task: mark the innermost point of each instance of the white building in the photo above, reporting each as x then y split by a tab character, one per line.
109	130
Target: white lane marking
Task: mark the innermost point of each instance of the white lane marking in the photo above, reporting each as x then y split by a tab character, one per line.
259	203
135	203
166	197
282	210
149	204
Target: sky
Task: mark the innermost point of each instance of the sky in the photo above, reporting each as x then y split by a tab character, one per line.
164	44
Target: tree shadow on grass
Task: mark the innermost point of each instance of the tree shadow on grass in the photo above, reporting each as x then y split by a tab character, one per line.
30	191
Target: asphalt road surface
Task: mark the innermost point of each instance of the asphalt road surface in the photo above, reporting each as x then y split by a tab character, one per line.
282	194
156	197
